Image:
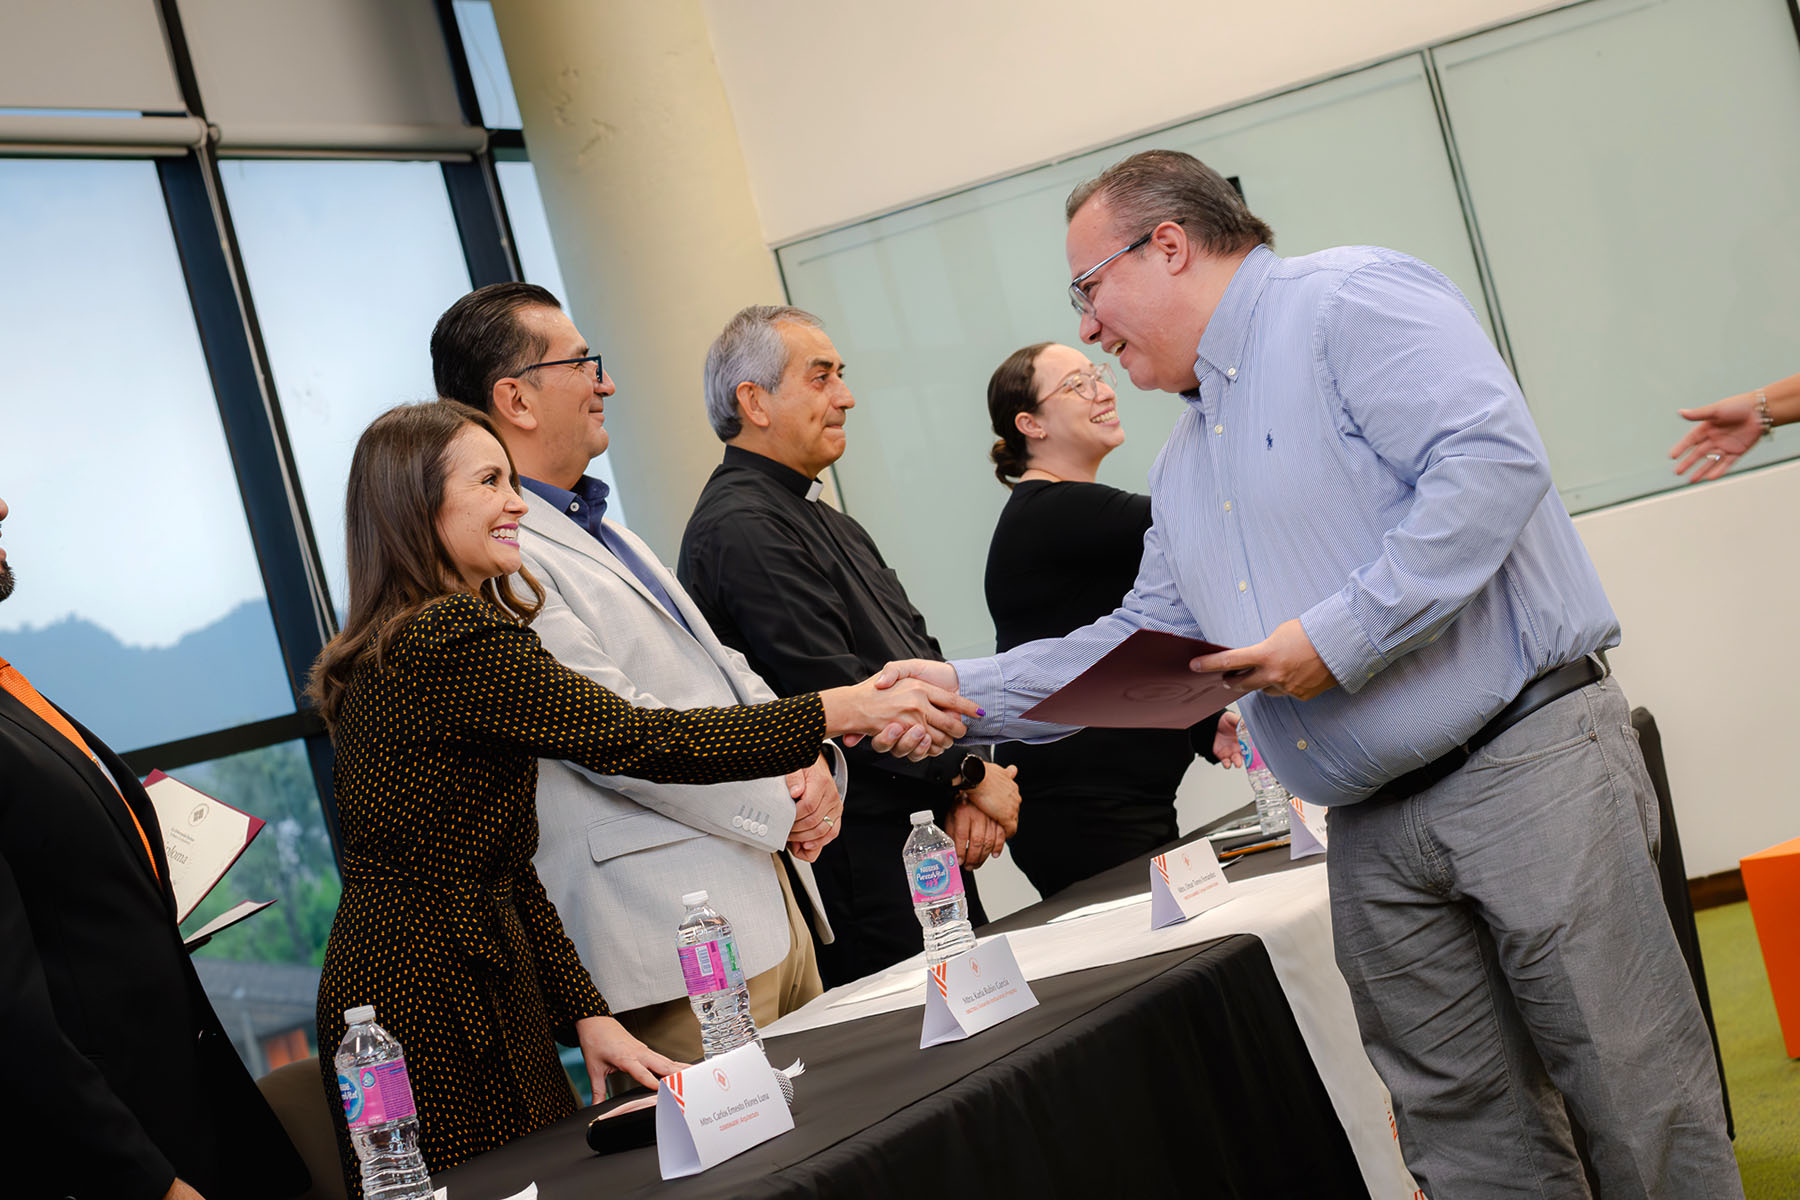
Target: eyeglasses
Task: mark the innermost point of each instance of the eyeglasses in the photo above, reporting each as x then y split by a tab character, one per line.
1078	297
1085	384
577	363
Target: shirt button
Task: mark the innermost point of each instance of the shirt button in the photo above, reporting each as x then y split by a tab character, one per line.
1300	745
1243	585
1231	372
1228	506
574	506
1218	429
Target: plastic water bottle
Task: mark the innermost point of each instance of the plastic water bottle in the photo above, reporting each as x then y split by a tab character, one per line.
715	977
1272	807
937	890
378	1107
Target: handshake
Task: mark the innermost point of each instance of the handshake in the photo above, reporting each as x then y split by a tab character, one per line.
910	710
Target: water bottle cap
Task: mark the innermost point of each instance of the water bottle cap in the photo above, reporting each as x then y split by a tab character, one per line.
692	899
359	1014
922	818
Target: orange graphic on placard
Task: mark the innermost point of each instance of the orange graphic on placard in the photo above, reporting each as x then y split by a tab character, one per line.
673	1083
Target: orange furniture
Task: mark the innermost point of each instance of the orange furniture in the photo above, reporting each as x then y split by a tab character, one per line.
1772	879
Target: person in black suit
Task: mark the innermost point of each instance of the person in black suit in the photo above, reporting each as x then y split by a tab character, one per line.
120	1083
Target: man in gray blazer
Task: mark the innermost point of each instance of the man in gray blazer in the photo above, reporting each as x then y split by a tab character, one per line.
616	854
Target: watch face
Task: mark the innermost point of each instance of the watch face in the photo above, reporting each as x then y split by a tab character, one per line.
974	768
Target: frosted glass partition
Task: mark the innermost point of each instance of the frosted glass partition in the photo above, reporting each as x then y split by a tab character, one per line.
1633	168
924	304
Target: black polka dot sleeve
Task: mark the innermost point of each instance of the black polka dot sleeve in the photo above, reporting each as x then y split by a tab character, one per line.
569	991
491	681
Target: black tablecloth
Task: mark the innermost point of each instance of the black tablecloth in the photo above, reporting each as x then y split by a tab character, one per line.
1182	1070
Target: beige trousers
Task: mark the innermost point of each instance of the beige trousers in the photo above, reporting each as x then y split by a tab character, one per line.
670	1028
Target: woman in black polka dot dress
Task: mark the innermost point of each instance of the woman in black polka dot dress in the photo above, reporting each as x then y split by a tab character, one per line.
440	702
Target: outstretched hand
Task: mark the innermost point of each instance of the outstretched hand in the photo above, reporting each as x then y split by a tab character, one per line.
1282	664
930	716
1723	433
929	669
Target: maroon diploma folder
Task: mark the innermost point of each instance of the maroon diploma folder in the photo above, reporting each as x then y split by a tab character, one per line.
1143	683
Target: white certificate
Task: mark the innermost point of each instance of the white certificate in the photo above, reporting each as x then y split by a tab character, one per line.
202	837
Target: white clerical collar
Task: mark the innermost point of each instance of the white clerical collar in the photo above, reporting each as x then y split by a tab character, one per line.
812	493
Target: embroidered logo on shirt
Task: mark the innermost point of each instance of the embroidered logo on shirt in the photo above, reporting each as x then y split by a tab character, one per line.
1269	439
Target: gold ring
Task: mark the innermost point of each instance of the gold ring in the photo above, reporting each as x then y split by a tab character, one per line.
830	821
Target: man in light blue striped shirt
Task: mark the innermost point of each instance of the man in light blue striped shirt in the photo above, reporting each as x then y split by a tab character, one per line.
1357	498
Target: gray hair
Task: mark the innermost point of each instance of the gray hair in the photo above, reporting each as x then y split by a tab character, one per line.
1147	189
749	350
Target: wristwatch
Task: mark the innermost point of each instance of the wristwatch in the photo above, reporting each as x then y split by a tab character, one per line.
970	774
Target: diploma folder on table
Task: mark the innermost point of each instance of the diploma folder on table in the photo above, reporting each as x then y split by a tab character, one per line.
202	839
1142	683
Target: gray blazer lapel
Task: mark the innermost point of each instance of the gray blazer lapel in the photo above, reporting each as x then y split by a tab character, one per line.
544	520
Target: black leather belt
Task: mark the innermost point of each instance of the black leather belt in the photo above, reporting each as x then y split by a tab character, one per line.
1550	686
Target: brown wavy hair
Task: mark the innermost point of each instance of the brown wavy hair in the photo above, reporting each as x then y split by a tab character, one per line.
1012	389
397	560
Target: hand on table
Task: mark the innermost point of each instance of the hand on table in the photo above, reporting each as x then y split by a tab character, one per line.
607	1047
1282	664
818	810
977	837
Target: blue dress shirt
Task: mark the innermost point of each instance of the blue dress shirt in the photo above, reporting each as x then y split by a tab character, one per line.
1358	456
586	506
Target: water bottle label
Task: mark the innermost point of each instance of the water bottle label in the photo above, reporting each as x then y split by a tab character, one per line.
710	966
1252	756
935	877
375	1095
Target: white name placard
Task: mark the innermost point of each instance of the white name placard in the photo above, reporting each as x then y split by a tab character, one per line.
1306	828
973	991
1185	883
717	1109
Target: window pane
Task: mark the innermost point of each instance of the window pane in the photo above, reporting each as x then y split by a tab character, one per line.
1637	203
481	44
139	605
960	282
262	975
350	263
531	235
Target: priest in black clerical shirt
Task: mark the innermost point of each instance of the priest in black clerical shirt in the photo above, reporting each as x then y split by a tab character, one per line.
801	590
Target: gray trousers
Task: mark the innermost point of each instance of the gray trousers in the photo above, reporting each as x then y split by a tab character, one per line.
1505	941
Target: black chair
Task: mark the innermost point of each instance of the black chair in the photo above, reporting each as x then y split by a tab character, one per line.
296	1095
1675	886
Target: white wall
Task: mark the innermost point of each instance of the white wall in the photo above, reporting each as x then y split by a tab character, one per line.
847	110
1705	582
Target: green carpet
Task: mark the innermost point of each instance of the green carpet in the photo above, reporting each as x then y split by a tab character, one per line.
1764	1082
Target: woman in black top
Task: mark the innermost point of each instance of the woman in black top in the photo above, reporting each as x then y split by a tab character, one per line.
1065	552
